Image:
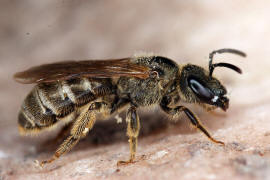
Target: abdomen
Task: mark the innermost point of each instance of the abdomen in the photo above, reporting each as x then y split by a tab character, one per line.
49	103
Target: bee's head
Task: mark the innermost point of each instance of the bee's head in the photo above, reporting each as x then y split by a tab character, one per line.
199	86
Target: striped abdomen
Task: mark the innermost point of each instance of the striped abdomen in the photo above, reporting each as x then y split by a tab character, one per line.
47	103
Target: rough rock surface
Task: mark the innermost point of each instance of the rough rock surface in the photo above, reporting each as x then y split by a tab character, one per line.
35	32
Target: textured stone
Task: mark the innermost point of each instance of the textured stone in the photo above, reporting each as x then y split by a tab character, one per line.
35	32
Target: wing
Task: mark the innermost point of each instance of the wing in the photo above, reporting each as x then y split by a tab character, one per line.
74	69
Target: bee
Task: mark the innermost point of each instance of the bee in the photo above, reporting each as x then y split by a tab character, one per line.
75	92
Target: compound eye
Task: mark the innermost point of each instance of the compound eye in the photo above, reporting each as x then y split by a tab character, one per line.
200	90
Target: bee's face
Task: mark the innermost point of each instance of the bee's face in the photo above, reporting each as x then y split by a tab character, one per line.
197	86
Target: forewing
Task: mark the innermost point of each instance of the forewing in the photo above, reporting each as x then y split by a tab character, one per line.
75	69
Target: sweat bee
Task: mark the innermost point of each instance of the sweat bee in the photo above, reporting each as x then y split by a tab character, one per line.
76	91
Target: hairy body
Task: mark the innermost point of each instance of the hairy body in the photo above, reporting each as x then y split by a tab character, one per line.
77	100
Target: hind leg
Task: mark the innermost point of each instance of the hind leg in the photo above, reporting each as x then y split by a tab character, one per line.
80	128
51	143
63	133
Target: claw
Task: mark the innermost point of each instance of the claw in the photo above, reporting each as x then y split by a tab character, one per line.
218	142
38	164
121	163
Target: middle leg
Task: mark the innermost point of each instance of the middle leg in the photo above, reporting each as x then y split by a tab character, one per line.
133	129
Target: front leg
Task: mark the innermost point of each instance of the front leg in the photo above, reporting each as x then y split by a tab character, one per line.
192	117
133	128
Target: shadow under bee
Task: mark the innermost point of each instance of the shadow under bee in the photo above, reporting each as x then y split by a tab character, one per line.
107	132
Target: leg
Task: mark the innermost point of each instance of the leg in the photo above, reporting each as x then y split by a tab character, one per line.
118	104
51	143
133	133
64	132
80	128
193	119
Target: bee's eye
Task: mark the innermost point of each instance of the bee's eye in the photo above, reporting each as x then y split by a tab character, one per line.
200	90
